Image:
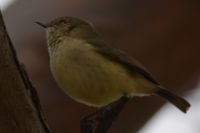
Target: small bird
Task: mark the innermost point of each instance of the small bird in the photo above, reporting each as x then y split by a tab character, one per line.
94	73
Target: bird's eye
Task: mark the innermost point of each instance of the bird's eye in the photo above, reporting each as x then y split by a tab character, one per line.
62	22
71	28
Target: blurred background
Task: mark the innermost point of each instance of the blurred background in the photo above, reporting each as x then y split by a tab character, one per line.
162	35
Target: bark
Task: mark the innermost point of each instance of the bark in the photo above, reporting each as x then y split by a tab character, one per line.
20	110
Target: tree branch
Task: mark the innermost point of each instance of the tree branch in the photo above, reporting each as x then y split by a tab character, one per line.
101	121
20	110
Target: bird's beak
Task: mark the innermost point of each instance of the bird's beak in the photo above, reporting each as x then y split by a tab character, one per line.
41	24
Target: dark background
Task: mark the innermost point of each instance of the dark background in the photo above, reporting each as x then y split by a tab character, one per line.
163	35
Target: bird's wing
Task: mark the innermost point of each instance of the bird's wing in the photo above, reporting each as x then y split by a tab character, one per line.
123	59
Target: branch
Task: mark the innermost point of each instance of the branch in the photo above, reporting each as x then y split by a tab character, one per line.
101	121
20	110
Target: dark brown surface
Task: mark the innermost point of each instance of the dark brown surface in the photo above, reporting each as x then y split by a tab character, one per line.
19	110
163	35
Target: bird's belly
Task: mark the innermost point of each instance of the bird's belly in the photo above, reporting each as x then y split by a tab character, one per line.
89	78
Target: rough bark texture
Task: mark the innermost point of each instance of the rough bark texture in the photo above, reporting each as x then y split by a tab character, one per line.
19	107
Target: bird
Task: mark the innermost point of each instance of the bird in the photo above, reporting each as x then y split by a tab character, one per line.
94	73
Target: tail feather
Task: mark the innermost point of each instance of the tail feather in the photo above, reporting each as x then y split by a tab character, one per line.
179	102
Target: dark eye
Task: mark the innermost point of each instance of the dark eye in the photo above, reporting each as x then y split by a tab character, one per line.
71	28
62	22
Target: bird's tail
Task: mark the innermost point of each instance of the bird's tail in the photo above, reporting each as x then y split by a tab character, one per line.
179	102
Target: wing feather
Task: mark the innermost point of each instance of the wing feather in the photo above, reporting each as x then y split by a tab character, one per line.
123	59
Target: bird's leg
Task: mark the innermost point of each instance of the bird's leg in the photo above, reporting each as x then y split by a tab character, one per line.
101	120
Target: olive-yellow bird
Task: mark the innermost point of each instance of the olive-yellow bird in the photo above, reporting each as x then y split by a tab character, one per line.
94	73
